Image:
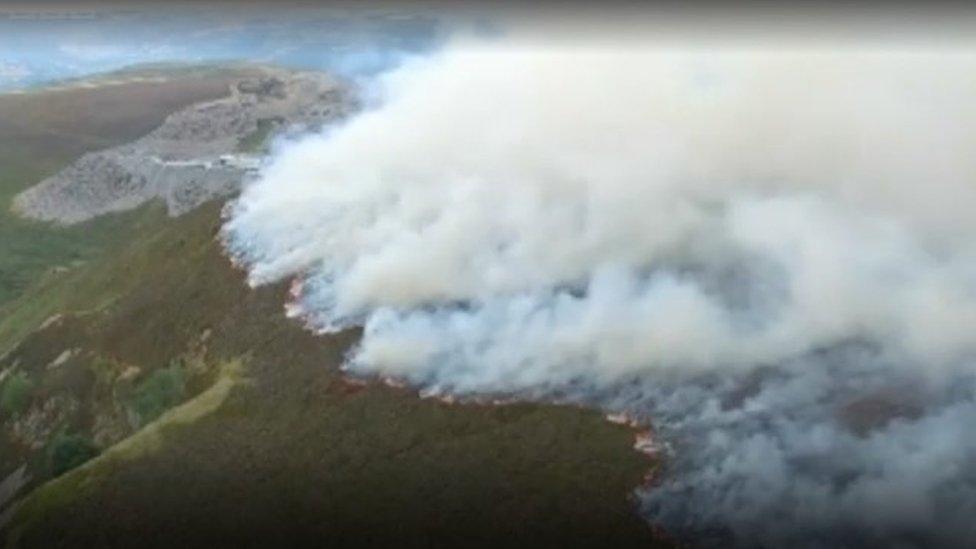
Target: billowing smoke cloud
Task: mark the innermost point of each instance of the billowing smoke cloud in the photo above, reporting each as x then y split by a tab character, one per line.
770	255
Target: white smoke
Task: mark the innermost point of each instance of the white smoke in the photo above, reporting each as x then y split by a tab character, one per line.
771	255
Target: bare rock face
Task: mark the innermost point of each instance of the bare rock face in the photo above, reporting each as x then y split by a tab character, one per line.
263	88
40	422
199	153
9	488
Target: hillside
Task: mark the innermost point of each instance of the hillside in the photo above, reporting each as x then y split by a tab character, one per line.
218	421
43	131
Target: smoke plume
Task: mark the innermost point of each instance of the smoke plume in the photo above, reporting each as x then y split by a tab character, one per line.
770	255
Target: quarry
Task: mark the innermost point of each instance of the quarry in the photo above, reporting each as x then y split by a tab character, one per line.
199	153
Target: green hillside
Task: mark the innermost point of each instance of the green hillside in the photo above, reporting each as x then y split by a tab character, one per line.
218	421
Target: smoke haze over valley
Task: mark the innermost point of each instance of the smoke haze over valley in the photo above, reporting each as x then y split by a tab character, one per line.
766	252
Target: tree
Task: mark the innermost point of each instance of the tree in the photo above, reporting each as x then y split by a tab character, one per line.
15	394
158	393
69	451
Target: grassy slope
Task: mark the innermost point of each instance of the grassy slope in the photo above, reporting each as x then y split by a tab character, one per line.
298	451
41	132
281	447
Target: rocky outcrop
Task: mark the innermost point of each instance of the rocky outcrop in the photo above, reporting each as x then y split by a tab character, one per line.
9	489
197	154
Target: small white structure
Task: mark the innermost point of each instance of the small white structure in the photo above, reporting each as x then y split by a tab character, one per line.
244	162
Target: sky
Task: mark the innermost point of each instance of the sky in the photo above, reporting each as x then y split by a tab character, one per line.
60	41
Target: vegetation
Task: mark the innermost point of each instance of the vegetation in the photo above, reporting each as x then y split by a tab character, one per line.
279	446
257	140
296	437
46	269
159	392
15	394
69	451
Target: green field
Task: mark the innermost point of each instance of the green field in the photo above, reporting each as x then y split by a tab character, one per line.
270	443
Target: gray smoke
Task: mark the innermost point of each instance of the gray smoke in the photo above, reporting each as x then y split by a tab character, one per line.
768	255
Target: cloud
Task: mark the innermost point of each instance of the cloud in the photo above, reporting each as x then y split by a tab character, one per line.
769	254
93	52
13	72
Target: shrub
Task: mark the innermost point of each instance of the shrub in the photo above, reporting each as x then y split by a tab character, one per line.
69	451
159	392
15	394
